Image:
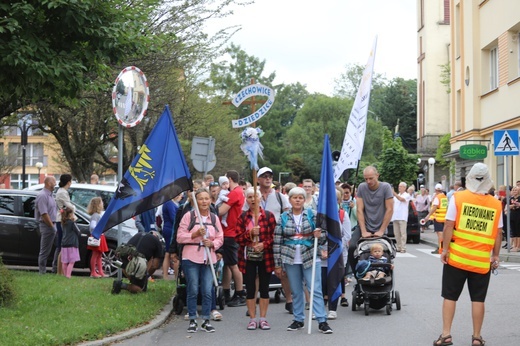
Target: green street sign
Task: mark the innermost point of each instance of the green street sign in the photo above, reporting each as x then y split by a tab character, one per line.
473	152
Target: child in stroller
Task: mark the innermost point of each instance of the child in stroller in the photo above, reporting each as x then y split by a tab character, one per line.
376	274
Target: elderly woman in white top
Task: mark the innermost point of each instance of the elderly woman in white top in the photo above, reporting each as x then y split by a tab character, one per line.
62	202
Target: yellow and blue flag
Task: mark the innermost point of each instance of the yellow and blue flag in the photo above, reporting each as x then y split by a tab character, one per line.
157	174
328	219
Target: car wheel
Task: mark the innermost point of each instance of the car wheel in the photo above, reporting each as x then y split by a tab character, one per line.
108	262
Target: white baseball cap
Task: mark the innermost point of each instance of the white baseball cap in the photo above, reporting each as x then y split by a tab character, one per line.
438	187
264	170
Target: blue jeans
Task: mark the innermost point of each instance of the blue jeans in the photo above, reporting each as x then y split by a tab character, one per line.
297	274
198	275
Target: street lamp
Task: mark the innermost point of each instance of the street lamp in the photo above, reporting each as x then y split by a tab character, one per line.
431	163
24	123
280	176
38	165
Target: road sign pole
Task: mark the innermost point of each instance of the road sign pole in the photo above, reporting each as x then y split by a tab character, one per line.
508	221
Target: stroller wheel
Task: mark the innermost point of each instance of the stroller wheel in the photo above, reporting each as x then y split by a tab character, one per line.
354	301
389	309
178	305
397	300
221	300
367	307
277	296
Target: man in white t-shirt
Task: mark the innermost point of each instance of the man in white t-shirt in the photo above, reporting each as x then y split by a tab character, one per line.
276	203
400	216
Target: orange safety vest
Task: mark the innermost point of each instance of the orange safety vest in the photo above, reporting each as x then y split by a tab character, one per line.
440	212
476	227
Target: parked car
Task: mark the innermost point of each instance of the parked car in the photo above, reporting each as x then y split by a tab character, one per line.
20	234
413	229
81	194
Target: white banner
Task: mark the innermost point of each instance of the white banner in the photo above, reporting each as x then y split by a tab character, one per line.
352	147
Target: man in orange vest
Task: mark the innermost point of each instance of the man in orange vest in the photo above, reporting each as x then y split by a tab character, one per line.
438	214
473	230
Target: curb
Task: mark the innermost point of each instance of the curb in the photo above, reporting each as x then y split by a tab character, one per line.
159	320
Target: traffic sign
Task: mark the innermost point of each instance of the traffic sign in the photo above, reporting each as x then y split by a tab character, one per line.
203	154
506	142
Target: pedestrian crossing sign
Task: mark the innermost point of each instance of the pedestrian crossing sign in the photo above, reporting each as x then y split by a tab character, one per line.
506	142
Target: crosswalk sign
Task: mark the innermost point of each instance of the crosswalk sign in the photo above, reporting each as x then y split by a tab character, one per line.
506	142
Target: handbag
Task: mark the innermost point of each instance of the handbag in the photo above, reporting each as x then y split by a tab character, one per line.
253	255
92	241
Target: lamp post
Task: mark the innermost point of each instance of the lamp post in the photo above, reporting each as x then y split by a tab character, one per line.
24	123
280	176
431	164
38	165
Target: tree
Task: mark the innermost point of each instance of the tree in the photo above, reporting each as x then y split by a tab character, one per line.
396	164
52	50
347	84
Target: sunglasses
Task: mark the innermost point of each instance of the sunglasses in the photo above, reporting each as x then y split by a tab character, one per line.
213	183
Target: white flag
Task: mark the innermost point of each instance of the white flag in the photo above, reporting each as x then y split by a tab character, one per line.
357	123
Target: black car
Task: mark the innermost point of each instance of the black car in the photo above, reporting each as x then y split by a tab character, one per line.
413	229
20	235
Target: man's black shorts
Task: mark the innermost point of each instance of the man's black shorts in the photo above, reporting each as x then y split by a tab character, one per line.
453	280
230	253
438	226
141	283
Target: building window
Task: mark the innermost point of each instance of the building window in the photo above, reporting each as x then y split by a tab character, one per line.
17	181
33	153
493	68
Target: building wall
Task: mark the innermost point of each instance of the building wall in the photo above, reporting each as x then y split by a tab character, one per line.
479	106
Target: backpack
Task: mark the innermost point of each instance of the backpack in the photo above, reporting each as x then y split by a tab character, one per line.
192	220
310	214
125	250
137	267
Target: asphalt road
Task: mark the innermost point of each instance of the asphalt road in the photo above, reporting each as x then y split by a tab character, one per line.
417	278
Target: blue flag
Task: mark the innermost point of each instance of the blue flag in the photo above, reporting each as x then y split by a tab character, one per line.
328	219
157	174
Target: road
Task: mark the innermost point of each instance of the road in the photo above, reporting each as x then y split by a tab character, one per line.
417	277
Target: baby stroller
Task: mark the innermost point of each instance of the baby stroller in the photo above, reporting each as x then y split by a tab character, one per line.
369	293
181	295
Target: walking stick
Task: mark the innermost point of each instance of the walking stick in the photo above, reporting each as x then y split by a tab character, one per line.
208	251
313	276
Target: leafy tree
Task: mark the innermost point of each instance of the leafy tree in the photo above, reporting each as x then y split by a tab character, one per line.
396	164
51	50
347	84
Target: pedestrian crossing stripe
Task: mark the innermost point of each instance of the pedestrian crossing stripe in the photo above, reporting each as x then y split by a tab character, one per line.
506	142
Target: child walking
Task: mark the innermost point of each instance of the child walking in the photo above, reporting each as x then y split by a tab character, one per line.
95	209
70	241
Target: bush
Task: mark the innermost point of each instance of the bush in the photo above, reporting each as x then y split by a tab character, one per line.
7	292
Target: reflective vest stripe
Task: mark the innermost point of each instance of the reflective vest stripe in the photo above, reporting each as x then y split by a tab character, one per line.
478	266
471	252
442	208
472	237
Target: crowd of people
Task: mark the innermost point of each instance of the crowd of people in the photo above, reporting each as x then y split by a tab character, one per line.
269	229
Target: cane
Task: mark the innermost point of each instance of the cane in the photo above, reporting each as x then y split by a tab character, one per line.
208	251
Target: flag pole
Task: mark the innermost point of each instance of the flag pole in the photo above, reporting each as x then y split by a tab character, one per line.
208	251
313	277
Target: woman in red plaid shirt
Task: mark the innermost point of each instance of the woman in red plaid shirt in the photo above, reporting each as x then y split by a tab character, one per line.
255	256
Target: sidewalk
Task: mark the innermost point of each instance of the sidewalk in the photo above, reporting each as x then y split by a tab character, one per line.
430	238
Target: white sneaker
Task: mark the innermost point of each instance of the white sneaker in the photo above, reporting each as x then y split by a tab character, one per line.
332	315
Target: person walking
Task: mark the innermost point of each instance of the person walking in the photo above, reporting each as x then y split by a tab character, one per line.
422	205
472	238
438	214
375	207
255	257
45	213
400	216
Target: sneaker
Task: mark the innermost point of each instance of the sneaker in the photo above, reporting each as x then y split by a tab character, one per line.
216	316
325	328
332	315
313	316
170	271
436	251
295	326
344	302
288	307
116	286
207	327
264	325
251	325
307	306
237	301
193	327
